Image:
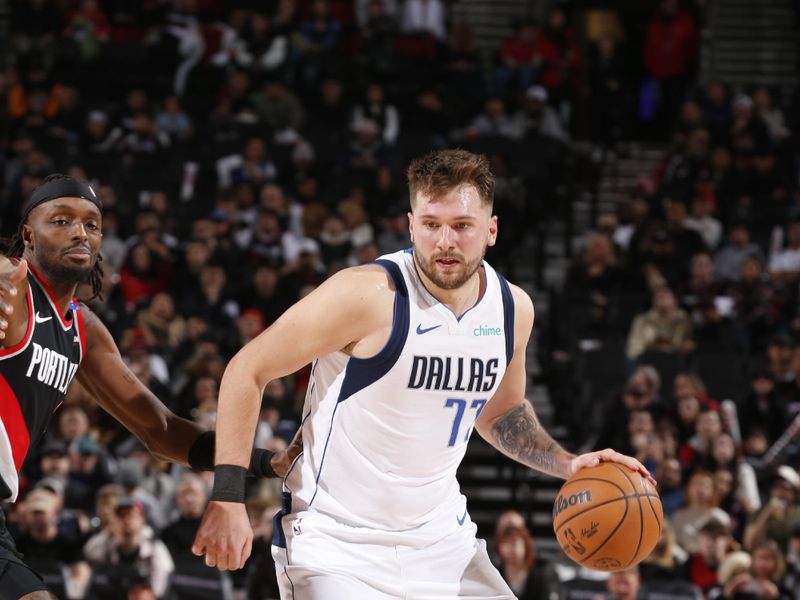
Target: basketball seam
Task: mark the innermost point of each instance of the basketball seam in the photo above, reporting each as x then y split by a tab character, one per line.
637	495
641	513
655	514
596	479
613	531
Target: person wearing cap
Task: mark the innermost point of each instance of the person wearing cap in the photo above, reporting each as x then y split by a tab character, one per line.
48	338
43	541
132	543
541	118
780	515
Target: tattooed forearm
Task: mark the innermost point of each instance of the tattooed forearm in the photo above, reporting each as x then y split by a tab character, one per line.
519	434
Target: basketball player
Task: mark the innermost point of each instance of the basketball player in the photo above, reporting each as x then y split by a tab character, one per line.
410	354
48	338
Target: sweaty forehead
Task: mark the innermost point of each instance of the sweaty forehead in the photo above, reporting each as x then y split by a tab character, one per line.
75	206
464	199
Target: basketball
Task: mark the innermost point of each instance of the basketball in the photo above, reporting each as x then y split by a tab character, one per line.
607	517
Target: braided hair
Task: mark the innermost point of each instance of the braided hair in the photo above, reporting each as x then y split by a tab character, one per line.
16	246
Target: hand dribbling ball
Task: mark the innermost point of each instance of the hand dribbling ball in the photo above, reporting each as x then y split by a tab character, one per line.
607	517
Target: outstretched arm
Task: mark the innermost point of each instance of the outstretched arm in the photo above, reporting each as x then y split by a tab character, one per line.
105	376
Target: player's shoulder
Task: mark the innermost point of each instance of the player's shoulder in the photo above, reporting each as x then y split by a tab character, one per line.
523	303
370	278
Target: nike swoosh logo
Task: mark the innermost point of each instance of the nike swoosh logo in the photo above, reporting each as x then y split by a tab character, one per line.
41	319
462	518
420	330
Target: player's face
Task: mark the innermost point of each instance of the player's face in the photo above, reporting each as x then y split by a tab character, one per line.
450	234
63	237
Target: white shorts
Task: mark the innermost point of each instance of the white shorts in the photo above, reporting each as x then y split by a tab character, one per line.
321	559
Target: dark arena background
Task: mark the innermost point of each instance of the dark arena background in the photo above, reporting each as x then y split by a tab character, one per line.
646	156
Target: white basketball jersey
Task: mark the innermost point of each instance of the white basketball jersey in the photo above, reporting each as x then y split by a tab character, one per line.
383	436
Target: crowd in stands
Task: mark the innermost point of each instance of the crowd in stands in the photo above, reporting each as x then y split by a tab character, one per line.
246	150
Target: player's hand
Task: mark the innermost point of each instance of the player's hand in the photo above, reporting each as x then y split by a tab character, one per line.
225	536
592	459
9	281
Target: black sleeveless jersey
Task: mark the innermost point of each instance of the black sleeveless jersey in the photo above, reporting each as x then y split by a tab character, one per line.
34	376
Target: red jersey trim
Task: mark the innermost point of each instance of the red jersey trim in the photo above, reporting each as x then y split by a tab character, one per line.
51	297
14	423
17	348
78	312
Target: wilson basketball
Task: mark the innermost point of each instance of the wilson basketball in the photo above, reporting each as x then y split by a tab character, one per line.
607	517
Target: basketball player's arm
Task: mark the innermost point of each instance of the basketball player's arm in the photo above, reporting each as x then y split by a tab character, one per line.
340	314
13	301
108	379
509	422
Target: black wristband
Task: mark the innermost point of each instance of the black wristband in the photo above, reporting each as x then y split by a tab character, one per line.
201	454
261	463
229	483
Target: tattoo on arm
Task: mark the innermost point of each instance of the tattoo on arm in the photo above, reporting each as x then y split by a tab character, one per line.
519	434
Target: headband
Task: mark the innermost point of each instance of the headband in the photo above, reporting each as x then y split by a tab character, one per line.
61	188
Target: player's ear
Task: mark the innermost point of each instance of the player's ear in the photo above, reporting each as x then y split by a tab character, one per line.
492	239
411	225
27	236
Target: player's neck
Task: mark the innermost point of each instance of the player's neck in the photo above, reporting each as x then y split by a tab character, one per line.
62	292
460	299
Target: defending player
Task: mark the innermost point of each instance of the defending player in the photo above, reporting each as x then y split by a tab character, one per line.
48	338
409	355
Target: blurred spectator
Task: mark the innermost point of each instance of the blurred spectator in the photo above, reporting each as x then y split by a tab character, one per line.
424	16
701	506
528	575
173	120
142	275
46	548
640	393
73	423
494	122
735	482
729	259
277	106
163	329
762	407
607	78
667	561
130	551
701	221
90	469
664	328
624	585
735	580
562	59
713	544
768	569
520	58
772	116
784	261
541	119
191	495
670	53
375	106
780	514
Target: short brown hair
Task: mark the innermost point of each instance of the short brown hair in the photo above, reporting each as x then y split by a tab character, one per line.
440	171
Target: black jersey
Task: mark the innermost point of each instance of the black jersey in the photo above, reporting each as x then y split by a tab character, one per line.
34	376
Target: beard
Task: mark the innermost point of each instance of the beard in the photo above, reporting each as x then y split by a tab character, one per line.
56	270
450	280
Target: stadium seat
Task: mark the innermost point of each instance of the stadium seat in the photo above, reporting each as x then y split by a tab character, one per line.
670	590
583	589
